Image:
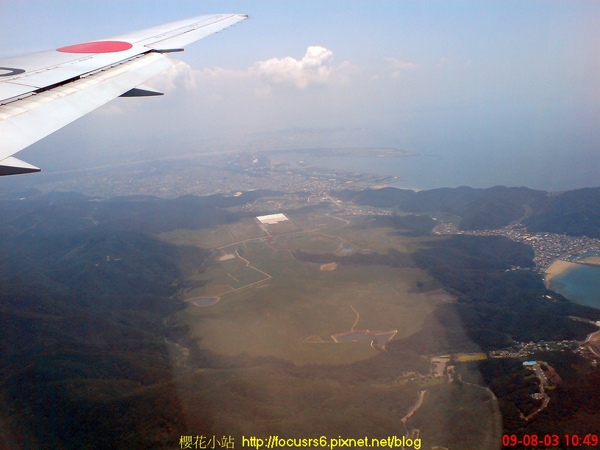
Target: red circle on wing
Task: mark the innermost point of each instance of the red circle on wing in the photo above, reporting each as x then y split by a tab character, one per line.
96	47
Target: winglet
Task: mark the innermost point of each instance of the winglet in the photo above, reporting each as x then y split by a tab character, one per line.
141	91
14	166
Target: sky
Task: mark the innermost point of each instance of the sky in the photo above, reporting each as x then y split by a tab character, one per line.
492	92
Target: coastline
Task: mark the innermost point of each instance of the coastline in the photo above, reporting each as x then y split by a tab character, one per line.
591	260
557	267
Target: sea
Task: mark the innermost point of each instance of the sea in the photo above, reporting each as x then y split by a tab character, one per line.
580	284
431	171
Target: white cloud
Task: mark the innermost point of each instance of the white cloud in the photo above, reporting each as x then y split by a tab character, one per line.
399	64
179	76
314	68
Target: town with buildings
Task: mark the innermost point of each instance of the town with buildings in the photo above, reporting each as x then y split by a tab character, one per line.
548	247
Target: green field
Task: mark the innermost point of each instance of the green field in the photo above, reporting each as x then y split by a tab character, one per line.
275	305
199	238
448	413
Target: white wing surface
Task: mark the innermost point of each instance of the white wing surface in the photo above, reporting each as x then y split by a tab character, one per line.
42	92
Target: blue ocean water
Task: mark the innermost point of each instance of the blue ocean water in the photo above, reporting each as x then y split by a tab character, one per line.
581	285
431	171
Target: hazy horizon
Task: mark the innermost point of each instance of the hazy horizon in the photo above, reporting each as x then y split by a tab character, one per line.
498	93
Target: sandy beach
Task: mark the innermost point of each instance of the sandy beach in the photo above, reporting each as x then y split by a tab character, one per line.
558	266
594	260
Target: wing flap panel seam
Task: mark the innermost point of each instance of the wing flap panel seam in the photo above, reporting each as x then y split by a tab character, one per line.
190	33
51	110
36	91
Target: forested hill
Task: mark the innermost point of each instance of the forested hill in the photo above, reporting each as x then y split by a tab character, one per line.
89	355
479	208
82	308
54	211
573	212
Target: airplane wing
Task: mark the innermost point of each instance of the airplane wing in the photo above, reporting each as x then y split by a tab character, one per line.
42	92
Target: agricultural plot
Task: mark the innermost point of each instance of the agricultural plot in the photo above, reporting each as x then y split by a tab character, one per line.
317	222
245	229
310	242
332	318
229	273
378	239
277	305
281	228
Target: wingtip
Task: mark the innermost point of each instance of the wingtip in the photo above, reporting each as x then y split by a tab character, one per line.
14	166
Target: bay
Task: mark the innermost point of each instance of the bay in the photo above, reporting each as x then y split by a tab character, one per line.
478	170
580	284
